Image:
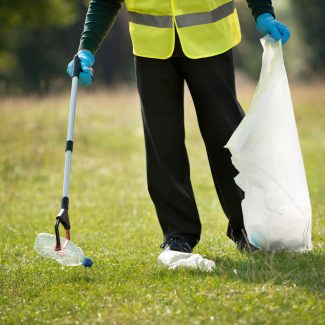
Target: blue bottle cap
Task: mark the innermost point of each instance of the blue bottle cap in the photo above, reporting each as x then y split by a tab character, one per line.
87	262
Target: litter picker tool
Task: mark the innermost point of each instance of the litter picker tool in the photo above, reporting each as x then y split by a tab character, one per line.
62	249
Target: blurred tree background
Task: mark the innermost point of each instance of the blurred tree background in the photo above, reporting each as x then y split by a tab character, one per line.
38	38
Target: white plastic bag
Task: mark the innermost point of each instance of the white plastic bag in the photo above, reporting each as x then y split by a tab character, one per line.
265	150
173	260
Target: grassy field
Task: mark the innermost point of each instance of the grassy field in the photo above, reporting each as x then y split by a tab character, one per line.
114	222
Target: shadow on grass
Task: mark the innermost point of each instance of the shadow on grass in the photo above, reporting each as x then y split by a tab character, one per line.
282	268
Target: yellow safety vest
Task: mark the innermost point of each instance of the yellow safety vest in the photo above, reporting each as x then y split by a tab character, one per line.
205	27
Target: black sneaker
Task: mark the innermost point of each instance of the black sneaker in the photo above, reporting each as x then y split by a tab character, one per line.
244	245
177	243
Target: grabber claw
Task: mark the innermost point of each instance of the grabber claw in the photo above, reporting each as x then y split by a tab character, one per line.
63	218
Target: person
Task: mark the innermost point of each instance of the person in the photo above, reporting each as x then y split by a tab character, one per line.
176	41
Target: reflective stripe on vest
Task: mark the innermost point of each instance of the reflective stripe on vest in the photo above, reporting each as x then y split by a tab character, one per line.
187	20
151	20
206	17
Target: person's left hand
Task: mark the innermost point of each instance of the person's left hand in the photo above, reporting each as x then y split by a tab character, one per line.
266	24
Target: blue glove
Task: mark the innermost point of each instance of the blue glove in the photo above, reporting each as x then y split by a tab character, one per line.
87	60
266	24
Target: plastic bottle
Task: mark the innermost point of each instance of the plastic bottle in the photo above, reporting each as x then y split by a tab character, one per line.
69	255
174	259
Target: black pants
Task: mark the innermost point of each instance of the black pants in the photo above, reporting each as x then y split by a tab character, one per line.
212	85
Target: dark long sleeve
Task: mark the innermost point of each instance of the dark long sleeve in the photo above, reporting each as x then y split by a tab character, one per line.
100	17
259	7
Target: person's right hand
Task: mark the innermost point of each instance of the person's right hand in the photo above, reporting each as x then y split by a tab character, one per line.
86	75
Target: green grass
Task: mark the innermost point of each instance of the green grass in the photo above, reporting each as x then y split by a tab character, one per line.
114	221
